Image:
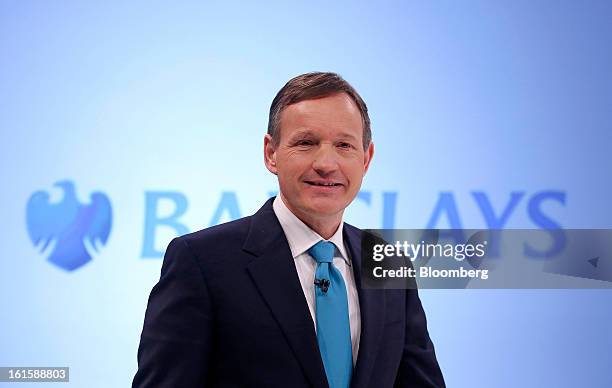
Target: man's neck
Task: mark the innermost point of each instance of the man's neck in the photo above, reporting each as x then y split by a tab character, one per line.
325	226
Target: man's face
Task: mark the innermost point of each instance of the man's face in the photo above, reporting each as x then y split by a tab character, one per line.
320	160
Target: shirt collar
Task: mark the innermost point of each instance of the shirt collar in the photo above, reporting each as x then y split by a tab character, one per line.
300	236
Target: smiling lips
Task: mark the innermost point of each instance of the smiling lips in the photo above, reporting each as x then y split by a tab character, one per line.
320	183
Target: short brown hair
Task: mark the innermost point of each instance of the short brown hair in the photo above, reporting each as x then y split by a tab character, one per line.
311	86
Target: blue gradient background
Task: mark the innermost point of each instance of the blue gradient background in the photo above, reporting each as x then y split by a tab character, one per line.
463	96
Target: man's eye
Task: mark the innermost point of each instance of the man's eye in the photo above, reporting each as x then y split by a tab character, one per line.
303	142
345	145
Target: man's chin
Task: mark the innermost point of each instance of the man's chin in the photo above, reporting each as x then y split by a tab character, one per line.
324	207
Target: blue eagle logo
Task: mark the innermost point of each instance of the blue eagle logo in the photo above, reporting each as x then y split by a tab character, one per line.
73	229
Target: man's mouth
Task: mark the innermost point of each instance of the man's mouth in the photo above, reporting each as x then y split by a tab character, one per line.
323	184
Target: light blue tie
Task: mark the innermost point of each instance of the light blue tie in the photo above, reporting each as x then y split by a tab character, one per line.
333	328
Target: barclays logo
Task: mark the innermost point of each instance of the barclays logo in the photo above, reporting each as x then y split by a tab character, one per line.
68	229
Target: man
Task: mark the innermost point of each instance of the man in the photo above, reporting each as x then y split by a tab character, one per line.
274	299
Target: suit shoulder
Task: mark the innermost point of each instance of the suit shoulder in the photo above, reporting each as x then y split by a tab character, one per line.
227	234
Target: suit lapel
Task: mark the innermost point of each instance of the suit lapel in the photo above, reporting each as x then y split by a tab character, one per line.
276	278
372	306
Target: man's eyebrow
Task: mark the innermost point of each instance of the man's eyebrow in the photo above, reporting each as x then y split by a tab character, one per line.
301	133
348	136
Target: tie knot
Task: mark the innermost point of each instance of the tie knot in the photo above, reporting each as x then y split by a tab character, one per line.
323	251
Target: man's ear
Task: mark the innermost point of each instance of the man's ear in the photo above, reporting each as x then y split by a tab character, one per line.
367	157
270	154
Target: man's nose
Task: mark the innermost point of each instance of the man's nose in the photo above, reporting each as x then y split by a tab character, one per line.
325	159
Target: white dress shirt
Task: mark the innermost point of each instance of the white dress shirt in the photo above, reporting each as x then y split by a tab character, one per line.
301	238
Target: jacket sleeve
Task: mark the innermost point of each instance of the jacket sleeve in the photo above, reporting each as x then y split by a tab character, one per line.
176	339
418	367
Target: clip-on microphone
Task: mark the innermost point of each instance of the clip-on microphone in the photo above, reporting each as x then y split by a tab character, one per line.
323	284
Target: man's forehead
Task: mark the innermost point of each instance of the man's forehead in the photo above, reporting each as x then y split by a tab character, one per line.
337	112
331	102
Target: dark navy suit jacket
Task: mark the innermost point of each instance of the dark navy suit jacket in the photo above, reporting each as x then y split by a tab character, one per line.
229	311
